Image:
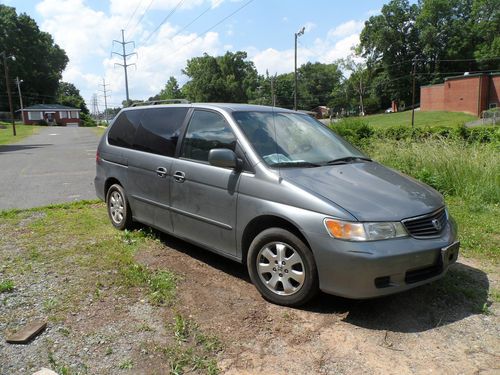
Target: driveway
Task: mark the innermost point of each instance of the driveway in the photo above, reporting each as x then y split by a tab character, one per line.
54	166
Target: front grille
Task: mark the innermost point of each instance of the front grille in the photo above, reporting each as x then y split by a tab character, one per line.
427	225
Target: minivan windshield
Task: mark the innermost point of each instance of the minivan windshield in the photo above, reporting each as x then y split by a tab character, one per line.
286	139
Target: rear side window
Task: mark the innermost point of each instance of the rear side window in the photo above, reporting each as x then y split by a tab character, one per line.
159	130
206	130
123	130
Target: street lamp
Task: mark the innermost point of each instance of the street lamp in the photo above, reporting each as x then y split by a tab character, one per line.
6	67
299	33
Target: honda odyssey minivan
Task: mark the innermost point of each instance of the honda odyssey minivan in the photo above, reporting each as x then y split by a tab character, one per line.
278	191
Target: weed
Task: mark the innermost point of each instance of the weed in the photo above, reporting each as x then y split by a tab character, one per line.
161	284
126	365
109	351
6	286
50	304
57	367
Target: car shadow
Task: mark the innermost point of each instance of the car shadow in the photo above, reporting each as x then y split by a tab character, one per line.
462	292
9	148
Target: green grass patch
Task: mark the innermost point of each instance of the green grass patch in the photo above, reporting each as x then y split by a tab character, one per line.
76	241
22	131
6	286
434	118
468	171
193	351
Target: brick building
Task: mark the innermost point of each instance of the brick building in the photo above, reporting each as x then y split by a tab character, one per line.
52	114
472	93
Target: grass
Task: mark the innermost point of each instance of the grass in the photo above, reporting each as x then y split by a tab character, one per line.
193	350
468	176
471	172
22	131
436	118
6	286
76	241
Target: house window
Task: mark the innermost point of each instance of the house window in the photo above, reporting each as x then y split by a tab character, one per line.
35	116
63	114
74	114
493	105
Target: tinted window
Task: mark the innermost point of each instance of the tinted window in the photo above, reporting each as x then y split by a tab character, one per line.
206	130
123	130
159	130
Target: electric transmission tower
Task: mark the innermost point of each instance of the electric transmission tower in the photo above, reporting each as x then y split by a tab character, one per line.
124	55
105	95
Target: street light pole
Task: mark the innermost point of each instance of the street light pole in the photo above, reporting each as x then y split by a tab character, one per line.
6	67
301	32
18	83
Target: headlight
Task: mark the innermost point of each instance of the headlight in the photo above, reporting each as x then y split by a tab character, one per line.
355	231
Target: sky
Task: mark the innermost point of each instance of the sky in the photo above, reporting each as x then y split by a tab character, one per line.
167	33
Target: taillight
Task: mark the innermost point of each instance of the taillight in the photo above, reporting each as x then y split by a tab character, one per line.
97	157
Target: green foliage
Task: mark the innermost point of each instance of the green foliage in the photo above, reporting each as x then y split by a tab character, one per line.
6	136
6	286
68	95
39	61
228	78
443	37
161	284
170	91
87	120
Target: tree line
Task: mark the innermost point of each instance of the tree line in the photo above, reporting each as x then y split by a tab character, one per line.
428	41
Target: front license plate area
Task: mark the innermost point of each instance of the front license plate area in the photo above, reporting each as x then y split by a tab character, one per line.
449	254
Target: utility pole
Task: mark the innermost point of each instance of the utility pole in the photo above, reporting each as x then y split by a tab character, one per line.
7	83
301	32
104	93
273	95
124	56
18	83
361	96
413	97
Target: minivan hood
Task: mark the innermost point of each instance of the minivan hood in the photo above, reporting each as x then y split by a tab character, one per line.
368	190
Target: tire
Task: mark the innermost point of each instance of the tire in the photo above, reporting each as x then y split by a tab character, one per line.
291	283
118	208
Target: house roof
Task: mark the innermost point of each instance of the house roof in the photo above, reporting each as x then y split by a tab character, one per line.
48	107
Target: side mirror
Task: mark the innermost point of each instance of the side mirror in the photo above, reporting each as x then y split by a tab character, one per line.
224	158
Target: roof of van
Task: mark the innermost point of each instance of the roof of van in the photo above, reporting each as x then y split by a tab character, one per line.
230	107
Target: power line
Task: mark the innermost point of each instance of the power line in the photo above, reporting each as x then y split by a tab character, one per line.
193	21
133	14
209	29
164	20
142	16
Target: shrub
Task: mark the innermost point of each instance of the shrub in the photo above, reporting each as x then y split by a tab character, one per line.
86	120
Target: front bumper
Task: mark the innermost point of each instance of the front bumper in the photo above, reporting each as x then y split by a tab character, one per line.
377	268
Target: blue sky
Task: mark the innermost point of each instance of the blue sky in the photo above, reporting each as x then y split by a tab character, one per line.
263	28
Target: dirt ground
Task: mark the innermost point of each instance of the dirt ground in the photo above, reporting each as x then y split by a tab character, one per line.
435	329
417	332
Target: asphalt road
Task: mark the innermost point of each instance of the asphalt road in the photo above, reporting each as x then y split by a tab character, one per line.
54	166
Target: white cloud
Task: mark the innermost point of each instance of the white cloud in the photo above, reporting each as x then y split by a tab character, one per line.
346	29
86	35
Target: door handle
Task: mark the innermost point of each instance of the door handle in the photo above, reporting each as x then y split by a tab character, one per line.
161	172
179	176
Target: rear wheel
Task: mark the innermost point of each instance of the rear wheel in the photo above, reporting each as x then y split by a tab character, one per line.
282	267
118	208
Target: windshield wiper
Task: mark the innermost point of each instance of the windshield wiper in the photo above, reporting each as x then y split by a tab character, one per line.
346	160
288	164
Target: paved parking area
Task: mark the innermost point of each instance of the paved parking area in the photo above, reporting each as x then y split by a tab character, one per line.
54	166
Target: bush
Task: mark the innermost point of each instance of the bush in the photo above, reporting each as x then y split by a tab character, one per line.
354	130
86	120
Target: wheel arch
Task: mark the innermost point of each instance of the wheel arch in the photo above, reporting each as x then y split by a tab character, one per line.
110	182
263	222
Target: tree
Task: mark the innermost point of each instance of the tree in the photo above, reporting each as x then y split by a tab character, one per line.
317	83
39	62
67	94
228	78
389	42
171	90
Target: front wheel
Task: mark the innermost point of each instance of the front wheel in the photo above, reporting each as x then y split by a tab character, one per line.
282	267
118	208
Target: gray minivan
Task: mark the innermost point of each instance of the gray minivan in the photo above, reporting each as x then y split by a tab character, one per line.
279	191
